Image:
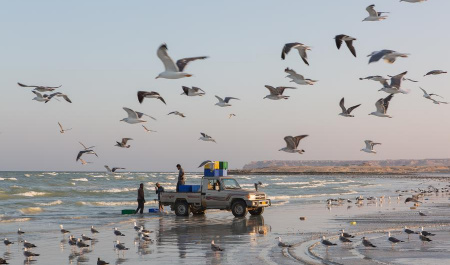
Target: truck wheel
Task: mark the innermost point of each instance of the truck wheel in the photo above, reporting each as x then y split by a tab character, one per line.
239	209
257	211
182	208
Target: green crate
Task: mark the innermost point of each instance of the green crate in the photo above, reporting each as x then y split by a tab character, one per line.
223	165
128	211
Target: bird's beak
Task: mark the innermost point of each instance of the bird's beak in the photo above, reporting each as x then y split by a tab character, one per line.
188	75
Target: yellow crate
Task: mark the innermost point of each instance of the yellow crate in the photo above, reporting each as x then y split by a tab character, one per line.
211	166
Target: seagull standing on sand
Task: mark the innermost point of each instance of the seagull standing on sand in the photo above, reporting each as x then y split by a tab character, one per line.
215	247
408	231
435	72
7	242
192	92
300	47
348	41
152	94
81	244
20	232
147	130
298	78
177	113
134	116
388	56
117	233
425	233
393	240
424	238
327	243
277	93
347	235
62	230
206	138
224	102
394	87
283	244
382	106
367	243
41	88
172	70
422	214
120	246
93	230
113	170
123	144
369	147
101	262
292	144
27	244
39	97
346	112
62	130
374	15
343	239
28	254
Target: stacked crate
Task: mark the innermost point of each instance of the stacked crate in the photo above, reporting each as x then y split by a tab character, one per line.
216	169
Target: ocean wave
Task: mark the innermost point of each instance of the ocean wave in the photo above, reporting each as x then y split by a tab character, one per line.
15	220
290	183
287	197
27	175
51	173
8	179
309	186
81	179
31	210
115	190
31	194
49	203
98	176
111	204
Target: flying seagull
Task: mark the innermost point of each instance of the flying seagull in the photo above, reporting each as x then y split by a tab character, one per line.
224	102
87	152
327	243
292	144
147	130
177	113
205	162
298	78
435	72
231	115
101	262
59	94
172	70
134	116
40	98
369	147
346	112
374	15
62	129
41	88
283	244
348	40
388	56
277	93
413	199
206	138
394	240
113	170
382	106
152	94
377	78
191	92
428	96
123	144
367	243
86	148
394	87
300	47
413	1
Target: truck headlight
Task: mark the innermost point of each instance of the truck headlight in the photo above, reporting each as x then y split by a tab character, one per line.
251	197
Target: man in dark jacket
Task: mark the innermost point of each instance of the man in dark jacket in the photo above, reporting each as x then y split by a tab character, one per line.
181	177
140	199
158	190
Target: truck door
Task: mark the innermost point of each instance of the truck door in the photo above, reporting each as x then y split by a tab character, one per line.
213	195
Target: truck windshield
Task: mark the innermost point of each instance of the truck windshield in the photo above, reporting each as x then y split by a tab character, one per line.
230	184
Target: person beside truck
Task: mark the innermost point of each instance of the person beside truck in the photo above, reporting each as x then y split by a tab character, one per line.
181	177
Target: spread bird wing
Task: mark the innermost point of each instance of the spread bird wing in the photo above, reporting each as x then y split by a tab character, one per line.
60	126
131	113
162	54
183	62
204	163
282	88
185	89
273	91
297	139
290	142
227	99
352	108
140	115
219	98
287	48
386	101
396	80
125	140
371	10
341	104
351	47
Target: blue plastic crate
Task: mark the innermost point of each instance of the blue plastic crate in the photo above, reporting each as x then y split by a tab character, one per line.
184	188
223	172
153	210
209	173
196	188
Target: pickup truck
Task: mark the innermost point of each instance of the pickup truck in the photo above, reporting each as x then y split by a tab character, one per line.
223	193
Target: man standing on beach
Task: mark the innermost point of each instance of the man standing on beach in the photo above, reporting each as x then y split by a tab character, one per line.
181	177
158	190
140	199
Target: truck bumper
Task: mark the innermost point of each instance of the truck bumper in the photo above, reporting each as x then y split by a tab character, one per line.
262	203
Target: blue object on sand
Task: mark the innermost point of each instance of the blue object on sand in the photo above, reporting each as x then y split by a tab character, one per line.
153	210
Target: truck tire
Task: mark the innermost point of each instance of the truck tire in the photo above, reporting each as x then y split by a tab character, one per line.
257	211
239	209
182	208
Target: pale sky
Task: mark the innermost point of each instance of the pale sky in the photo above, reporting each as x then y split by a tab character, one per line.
103	52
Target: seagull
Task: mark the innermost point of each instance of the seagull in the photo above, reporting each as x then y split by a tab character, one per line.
343	239
88	152
20	232
134	116
348	40
147	130
412	199
86	148
282	244
93	230
101	262
428	96
327	243
59	94
388	56
231	115
224	102
277	93
298	78
394	87
113	170
85	238
81	244
413	1
143	231
152	94
439	102
119	246
29	254
298	46
136	227
346	234
408	231
377	78
369	147
28	244
435	72
425	233
393	240
422	214
3	261
215	247
41	88
40	98
172	70
192	92
63	231
346	112
7	242
206	138
367	243
117	233
83	162
424	238
292	144
123	144
382	106
145	239
374	15
205	163
177	113
72	240
62	129
405	79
